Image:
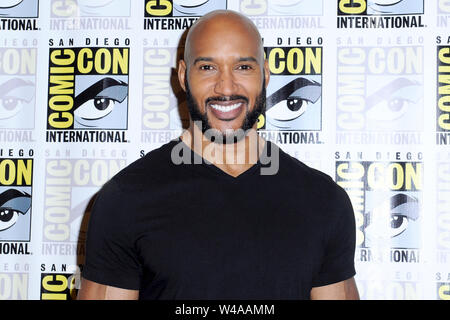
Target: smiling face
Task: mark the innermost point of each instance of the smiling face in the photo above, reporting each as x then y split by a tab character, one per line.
224	72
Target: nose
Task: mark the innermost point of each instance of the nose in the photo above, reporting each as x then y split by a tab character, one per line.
225	84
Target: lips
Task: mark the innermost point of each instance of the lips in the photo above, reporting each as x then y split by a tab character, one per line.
226	108
226	111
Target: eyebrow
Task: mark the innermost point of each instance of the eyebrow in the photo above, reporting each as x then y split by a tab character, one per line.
209	59
96	88
11	84
386	91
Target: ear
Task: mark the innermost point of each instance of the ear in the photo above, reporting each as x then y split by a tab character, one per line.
182	74
266	72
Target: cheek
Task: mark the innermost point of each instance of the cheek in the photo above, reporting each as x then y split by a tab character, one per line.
254	91
196	91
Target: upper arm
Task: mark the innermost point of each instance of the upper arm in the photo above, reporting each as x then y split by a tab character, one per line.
111	255
338	248
343	290
95	291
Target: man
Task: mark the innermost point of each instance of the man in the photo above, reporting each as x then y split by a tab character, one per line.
190	221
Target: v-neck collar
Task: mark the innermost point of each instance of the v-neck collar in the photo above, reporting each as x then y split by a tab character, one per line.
221	173
200	163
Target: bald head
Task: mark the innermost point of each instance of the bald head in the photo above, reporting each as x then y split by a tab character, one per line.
221	23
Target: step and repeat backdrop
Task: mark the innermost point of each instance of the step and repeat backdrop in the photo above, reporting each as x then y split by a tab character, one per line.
89	86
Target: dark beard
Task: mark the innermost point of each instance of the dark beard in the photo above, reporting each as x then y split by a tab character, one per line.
201	120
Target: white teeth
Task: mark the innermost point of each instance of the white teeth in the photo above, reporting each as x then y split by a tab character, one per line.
225	108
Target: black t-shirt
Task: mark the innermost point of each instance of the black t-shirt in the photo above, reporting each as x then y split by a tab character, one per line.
191	231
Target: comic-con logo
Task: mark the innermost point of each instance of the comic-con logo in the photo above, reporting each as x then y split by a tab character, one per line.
294	92
88	89
387	201
19	14
69	188
380	13
443	95
15	200
380	89
177	14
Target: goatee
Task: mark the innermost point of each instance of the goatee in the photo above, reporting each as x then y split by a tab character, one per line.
232	136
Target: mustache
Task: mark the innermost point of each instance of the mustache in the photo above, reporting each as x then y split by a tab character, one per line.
226	98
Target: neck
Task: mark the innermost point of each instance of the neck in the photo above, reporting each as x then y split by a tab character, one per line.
232	158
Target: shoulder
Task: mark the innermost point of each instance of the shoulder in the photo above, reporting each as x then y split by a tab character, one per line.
151	168
144	175
290	166
317	185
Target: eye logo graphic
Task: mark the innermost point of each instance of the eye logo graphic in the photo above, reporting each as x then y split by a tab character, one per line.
291	101
380	7
395	105
390	7
101	104
88	88
398	104
14	204
191	8
9	3
295	106
396	219
17	98
19	8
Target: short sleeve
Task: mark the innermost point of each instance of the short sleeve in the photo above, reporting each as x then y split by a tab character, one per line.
338	263
111	257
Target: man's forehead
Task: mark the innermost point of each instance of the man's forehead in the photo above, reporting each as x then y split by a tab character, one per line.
221	28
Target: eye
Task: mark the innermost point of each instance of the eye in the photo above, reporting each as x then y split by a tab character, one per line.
96	108
102	103
288	109
10	106
295	104
206	67
292	100
245	67
393	101
396	104
12	203
8	217
399	223
14	95
99	100
389	109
